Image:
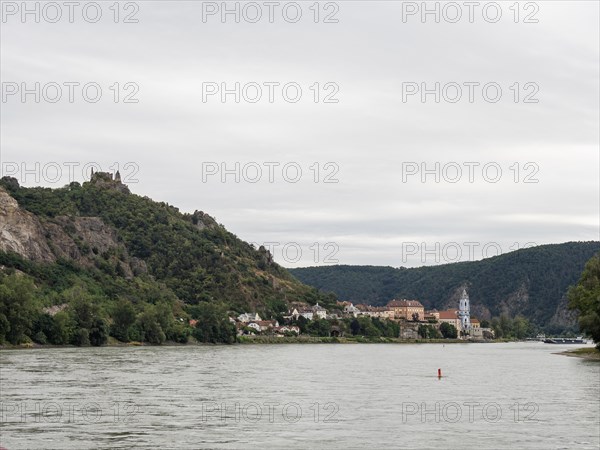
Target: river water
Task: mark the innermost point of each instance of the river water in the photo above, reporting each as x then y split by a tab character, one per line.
491	396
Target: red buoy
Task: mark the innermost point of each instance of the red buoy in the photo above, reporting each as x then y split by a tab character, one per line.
439	373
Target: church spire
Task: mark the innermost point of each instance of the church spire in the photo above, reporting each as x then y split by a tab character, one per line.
464	311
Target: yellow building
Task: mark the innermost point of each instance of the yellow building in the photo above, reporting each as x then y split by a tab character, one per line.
450	316
432	315
407	309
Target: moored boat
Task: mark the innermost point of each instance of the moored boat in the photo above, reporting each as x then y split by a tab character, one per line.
578	340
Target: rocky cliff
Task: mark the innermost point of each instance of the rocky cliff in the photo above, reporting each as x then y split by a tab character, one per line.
21	232
45	240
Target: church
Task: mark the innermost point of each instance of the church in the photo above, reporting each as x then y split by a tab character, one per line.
461	318
464	311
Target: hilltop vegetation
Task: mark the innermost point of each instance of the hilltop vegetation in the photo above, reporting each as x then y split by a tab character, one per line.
124	265
530	282
585	297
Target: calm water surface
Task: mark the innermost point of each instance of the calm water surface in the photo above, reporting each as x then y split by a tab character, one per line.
492	396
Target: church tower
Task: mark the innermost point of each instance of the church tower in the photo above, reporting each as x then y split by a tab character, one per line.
464	311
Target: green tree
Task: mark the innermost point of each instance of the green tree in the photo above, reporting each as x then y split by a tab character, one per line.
387	328
585	298
520	327
448	330
428	332
434	333
302	323
150	328
213	325
81	337
319	327
123	316
43	326
506	325
98	332
81	306
90	327
367	328
355	327
18	309
178	332
495	324
63	329
4	328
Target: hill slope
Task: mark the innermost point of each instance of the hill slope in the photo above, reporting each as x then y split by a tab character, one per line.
100	242
532	282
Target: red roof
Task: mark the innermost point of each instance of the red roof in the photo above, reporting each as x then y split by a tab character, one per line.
449	314
404	304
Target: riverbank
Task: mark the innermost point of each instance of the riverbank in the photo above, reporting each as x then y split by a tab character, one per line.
590	353
341	340
264	340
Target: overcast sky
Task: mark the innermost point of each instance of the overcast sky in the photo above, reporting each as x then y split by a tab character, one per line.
371	145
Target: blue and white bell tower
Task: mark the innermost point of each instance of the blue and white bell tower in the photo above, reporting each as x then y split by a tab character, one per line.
464	311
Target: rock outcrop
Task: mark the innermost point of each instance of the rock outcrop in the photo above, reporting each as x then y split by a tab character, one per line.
80	239
202	220
21	232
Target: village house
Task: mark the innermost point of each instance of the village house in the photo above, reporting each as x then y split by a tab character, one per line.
433	315
255	326
292	314
477	332
307	314
379	312
259	326
351	310
407	309
266	324
286	329
382	312
319	311
314	312
248	317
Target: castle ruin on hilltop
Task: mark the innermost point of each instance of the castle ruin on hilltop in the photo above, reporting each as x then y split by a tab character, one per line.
106	180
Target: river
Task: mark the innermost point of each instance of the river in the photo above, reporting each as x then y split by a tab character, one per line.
491	396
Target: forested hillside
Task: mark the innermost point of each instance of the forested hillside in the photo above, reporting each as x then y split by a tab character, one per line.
113	254
531	282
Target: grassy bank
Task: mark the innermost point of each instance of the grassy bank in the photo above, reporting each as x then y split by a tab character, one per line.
585	353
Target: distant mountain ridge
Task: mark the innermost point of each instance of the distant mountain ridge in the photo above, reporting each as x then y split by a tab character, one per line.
531	282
